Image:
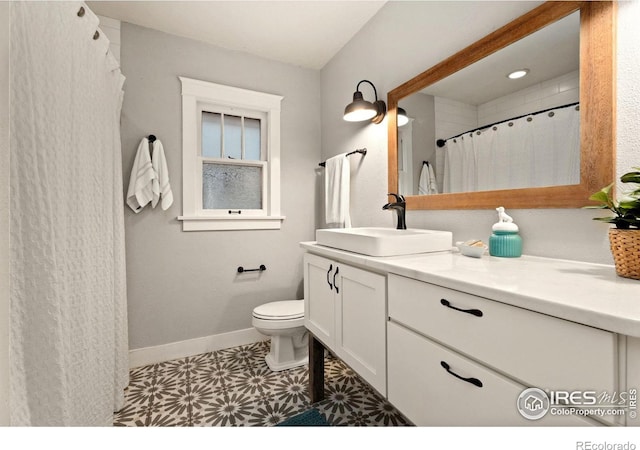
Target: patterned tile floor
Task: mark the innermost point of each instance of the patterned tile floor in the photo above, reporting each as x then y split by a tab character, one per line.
234	387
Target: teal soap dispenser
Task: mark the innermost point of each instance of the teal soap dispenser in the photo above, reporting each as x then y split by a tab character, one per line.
505	240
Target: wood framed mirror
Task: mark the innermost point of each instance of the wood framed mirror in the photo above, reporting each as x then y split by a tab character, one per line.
597	109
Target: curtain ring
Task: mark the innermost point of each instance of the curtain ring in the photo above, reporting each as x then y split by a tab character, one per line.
529	119
478	133
510	124
495	128
81	11
96	35
551	114
578	108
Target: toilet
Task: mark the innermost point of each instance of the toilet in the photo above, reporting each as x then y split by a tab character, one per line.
284	322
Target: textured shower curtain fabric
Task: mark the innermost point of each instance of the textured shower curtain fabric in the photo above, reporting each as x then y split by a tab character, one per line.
534	151
69	346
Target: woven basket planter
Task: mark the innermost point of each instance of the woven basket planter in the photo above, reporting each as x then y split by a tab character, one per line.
625	247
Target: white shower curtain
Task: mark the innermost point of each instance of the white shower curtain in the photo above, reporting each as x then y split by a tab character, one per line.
534	151
68	353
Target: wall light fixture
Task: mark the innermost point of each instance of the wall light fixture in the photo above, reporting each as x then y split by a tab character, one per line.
403	119
360	109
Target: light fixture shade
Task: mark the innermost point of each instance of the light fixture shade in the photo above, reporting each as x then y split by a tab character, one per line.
359	109
403	119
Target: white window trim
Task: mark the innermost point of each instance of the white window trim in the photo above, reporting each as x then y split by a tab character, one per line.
195	94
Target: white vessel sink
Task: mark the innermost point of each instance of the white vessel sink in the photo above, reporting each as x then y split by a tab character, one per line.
374	241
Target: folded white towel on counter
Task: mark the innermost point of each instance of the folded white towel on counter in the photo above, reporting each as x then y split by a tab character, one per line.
337	180
140	190
160	186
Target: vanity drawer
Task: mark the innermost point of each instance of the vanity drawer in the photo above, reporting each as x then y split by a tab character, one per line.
429	395
535	349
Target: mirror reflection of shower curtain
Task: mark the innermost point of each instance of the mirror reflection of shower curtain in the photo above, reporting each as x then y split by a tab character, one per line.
533	151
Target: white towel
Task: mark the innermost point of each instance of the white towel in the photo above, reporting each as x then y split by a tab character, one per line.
423	184
142	176
433	183
160	185
337	179
427	184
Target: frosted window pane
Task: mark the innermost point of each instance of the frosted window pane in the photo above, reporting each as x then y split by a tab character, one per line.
252	139
232	137
211	134
226	186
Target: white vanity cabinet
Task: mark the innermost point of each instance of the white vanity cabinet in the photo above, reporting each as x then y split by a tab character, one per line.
345	308
469	358
426	330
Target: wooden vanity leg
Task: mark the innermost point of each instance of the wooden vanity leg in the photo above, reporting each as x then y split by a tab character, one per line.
316	369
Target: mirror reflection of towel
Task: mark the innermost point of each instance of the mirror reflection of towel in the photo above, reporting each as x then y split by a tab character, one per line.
428	184
337	180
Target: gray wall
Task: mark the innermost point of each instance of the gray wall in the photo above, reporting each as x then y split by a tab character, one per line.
183	285
628	116
4	212
404	39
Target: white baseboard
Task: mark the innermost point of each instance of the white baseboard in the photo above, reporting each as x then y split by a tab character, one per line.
181	349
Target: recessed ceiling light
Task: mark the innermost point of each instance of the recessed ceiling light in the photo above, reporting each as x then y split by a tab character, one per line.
518	74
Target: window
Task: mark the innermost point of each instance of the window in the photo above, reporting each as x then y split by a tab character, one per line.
230	158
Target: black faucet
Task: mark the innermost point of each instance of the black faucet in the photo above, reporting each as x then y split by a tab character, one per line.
399	206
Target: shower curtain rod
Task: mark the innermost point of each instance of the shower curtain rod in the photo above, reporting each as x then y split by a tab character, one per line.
362	151
441	142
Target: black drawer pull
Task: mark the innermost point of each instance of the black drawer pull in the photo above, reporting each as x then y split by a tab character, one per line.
473	381
328	272
334	279
473	312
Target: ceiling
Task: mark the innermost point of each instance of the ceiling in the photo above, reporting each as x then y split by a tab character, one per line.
547	53
301	33
309	33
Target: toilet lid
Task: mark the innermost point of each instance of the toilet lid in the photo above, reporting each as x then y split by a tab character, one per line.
287	309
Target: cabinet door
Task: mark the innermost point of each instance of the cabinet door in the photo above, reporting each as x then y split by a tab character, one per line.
319	303
361	323
430	394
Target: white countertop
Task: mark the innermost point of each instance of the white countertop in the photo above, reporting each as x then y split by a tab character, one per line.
591	294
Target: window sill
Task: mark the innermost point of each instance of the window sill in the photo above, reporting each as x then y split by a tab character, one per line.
208	223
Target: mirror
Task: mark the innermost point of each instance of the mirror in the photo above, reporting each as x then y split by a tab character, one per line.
482	141
567	178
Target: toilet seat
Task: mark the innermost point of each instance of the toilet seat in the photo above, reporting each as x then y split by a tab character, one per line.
283	321
282	310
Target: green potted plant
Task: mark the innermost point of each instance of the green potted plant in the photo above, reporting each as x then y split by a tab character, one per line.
624	237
